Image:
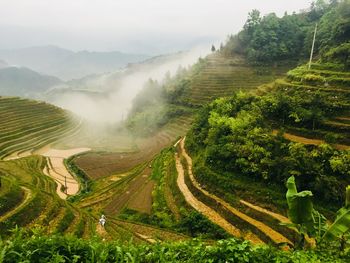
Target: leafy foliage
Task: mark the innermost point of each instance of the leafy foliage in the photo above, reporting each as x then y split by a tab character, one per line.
158	102
29	247
341	224
300	204
270	39
235	136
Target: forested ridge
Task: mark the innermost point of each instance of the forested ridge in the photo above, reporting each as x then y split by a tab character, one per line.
272	39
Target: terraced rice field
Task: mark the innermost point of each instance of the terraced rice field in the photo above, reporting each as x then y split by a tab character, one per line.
38	205
28	197
221	76
27	125
121	175
97	165
233	219
330	84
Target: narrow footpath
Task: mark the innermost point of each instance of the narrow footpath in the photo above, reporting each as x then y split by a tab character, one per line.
275	236
210	213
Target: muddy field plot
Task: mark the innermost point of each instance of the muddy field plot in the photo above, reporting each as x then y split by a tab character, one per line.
97	165
122	199
142	201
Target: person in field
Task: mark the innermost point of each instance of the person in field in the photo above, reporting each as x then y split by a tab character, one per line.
102	221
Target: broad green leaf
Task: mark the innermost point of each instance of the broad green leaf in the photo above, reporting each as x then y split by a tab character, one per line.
340	225
300	204
342	222
292	189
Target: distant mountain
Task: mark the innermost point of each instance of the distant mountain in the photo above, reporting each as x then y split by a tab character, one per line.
24	82
67	64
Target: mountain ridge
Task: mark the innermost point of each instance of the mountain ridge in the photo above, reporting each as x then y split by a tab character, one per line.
67	64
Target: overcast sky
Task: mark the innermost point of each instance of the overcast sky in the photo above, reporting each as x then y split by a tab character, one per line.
138	26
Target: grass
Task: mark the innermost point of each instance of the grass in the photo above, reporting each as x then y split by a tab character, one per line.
10	195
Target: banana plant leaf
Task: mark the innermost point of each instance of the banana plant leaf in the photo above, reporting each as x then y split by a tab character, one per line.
342	222
300	204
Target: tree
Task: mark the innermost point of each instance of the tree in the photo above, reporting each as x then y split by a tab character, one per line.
253	20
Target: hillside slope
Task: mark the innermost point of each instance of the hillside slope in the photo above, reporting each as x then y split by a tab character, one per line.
27	125
24	82
66	64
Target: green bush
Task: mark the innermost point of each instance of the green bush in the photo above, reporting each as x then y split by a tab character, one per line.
313	79
39	248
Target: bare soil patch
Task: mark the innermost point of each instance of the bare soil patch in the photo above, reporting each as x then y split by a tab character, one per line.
142	201
120	200
100	164
149	232
304	140
58	171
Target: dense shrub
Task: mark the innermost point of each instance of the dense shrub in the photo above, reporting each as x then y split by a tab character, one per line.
39	248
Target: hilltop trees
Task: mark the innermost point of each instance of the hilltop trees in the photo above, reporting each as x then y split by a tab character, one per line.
270	39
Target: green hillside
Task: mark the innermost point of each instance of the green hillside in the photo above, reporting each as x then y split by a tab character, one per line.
221	75
28	125
14	82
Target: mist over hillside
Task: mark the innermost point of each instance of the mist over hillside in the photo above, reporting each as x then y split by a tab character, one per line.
66	64
108	97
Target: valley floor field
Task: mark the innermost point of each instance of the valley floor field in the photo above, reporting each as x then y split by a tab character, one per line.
57	170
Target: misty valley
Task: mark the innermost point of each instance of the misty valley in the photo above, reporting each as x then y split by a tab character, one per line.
231	149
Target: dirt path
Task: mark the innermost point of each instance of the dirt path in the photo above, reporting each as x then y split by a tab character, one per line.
343	118
279	217
58	171
101	231
304	140
199	206
268	231
27	196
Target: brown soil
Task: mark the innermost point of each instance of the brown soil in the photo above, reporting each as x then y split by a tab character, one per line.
272	234
279	217
142	201
101	231
211	214
150	232
120	200
304	140
100	164
343	118
58	171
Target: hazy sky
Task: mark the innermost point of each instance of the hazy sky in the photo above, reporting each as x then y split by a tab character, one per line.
146	26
